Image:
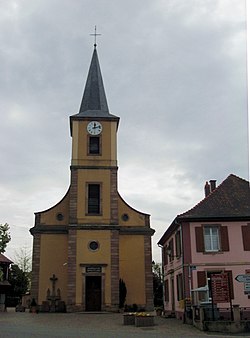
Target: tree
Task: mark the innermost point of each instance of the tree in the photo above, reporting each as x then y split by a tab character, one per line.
19	281
157	284
19	276
23	259
122	293
4	236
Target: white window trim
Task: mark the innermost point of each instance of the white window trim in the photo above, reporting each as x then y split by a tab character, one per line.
210	237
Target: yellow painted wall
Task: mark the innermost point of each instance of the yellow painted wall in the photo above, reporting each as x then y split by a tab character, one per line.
49	216
86	256
135	217
132	269
75	137
80	155
93	176
53	255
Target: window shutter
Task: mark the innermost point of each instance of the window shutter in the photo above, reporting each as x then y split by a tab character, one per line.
179	284
199	237
178	244
245	229
171	247
165	255
201	278
224	238
231	283
166	291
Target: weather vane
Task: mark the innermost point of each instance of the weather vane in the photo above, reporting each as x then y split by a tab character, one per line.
95	35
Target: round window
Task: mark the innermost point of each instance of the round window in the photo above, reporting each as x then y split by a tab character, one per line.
93	245
125	217
59	216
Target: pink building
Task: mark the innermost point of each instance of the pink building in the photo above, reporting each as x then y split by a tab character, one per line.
209	241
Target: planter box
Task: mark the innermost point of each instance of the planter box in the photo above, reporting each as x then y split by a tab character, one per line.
144	321
129	319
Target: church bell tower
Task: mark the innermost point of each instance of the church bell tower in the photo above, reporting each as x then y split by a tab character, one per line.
92	239
94	155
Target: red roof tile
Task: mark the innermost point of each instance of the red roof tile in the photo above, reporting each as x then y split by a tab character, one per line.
231	199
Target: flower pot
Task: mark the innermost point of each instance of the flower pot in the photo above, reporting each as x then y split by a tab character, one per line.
33	309
159	312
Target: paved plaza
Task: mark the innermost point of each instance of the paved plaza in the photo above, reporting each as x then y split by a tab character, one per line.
91	325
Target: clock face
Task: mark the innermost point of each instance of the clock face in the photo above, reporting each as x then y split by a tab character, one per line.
94	128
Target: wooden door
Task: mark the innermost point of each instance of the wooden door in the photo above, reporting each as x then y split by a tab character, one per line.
93	293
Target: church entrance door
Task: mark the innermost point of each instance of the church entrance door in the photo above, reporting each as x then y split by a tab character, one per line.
93	293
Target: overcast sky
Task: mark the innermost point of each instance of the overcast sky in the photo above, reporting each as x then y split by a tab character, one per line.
174	71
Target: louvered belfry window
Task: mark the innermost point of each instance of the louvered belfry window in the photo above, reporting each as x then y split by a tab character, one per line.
94	199
94	145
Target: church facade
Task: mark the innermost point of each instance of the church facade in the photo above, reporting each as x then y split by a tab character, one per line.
89	241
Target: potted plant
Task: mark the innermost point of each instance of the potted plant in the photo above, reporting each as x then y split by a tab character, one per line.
159	311
122	294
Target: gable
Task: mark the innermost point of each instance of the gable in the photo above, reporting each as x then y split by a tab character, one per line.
231	199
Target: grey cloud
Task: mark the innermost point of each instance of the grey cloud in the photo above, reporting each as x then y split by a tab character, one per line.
174	71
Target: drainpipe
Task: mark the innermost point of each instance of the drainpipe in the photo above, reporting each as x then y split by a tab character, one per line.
162	274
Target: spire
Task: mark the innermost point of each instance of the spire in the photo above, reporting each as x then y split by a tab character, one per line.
94	102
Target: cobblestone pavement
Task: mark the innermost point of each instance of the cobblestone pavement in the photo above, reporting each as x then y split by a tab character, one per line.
86	325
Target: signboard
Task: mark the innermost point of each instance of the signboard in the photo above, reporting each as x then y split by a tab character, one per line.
92	269
247	288
220	288
243	278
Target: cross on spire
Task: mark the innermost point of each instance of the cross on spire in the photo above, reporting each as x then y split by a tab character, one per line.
95	35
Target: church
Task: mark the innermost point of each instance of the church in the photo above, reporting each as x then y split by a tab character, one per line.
90	241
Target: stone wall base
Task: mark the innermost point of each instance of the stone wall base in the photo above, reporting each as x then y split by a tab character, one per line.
74	308
227	326
80	308
111	308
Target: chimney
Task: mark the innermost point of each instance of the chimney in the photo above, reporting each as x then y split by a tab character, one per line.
207	189
212	185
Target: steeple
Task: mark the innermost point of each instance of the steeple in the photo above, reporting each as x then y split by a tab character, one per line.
94	102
